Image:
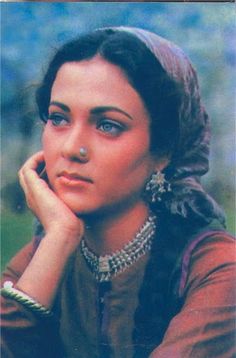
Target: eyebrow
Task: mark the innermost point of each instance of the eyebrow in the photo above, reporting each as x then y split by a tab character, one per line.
96	110
102	109
64	107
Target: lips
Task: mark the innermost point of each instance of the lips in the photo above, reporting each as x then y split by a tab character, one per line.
72	177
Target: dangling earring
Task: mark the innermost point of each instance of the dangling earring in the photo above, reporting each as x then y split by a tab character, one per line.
156	186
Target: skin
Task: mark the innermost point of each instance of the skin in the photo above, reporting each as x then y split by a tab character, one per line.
105	205
112	138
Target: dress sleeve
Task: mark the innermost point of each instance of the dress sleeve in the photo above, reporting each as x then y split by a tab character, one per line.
23	334
205	326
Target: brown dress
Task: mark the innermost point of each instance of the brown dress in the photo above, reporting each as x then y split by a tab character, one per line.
96	321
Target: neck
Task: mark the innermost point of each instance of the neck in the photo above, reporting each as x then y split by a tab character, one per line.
109	233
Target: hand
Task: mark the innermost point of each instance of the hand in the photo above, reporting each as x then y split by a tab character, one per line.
53	213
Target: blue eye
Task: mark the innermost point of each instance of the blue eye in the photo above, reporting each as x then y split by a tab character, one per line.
110	127
57	119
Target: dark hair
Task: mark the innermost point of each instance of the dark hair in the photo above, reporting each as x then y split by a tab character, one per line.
167	83
178	120
160	93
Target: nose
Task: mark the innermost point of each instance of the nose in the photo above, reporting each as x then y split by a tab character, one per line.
75	146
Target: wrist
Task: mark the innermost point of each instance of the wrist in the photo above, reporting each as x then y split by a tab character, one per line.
61	242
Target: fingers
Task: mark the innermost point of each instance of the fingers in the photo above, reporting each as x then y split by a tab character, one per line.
29	177
32	167
34	162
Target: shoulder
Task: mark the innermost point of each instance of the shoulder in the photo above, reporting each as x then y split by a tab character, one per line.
204	323
209	257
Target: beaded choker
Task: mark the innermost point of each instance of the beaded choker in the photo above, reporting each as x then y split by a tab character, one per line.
105	267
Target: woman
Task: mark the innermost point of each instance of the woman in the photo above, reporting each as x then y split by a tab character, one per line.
130	258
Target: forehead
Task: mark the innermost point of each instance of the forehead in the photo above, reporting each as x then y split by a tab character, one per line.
98	82
96	70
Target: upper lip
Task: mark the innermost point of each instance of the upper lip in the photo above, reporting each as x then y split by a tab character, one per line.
73	175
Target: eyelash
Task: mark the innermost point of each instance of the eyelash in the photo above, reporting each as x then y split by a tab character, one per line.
115	127
55	117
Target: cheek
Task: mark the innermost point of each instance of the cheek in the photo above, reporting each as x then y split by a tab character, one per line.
136	155
130	165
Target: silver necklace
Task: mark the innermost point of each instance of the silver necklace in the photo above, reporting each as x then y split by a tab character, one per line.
105	267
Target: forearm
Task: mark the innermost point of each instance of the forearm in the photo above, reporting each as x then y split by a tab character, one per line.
45	271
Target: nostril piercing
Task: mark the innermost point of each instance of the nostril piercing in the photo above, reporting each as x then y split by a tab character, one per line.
83	152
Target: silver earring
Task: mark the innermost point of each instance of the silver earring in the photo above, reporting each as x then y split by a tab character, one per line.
156	186
83	152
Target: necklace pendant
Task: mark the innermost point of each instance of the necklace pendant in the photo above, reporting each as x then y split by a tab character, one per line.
106	267
103	264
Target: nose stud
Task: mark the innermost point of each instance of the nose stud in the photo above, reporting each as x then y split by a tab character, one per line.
83	152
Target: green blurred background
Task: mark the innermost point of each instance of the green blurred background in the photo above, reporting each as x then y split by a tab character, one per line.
32	31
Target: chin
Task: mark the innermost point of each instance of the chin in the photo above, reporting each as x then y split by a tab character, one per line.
85	205
78	209
88	210
77	203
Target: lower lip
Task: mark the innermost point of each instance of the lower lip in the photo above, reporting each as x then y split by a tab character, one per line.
72	181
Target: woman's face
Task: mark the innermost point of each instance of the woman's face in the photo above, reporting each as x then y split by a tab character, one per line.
93	106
